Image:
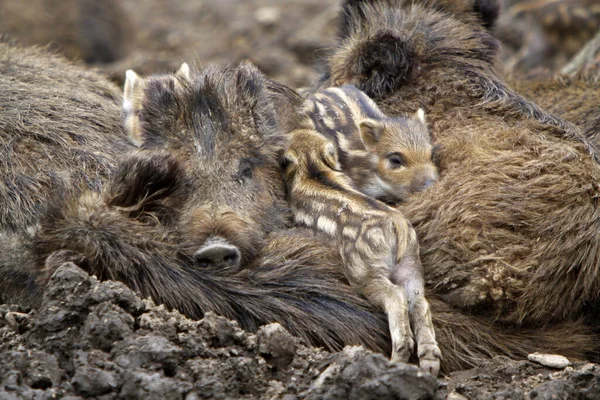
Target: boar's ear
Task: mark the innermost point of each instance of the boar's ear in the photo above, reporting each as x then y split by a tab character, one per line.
255	97
184	72
330	157
488	11
131	82
419	116
132	121
370	133
142	177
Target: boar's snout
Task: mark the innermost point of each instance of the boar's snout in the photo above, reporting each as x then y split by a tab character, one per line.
218	253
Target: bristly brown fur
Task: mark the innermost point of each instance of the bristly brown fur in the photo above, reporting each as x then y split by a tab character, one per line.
60	127
574	98
510	232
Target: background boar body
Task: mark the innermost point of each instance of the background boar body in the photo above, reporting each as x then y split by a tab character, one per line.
510	232
60	127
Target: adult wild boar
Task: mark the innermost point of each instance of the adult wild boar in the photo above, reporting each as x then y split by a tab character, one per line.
60	126
510	232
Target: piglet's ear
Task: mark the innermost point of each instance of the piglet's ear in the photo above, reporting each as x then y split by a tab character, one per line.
330	157
419	116
370	133
288	161
289	164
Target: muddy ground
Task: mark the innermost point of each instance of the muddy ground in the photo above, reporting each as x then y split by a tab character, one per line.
100	340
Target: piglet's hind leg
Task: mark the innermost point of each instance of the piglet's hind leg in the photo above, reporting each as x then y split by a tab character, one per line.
409	274
382	293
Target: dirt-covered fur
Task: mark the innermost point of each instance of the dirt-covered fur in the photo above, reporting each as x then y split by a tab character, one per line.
88	30
510	231
379	247
60	126
386	158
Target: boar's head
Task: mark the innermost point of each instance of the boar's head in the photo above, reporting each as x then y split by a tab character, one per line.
225	126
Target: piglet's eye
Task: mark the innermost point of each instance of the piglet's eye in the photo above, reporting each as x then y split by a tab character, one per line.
396	160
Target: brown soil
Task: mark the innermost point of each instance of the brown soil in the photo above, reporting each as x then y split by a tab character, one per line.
100	340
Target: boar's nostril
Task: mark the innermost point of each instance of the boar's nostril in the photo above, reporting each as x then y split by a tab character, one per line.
218	254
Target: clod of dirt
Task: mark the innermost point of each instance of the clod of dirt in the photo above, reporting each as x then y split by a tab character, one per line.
359	374
276	345
549	360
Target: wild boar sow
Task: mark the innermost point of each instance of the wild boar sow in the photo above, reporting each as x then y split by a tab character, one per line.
510	232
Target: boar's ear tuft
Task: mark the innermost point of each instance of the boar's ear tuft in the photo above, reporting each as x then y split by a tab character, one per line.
370	133
330	157
142	177
250	81
130	103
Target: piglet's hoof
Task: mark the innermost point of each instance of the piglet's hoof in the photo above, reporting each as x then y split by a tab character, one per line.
402	349
429	358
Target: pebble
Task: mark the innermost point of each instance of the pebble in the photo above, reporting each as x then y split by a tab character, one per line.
549	360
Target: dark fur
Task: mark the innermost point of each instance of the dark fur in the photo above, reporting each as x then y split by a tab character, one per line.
60	127
524	255
476	12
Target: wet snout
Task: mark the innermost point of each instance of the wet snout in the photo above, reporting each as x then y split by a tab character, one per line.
218	253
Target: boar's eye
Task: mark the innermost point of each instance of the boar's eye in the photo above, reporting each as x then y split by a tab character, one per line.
245	170
396	160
